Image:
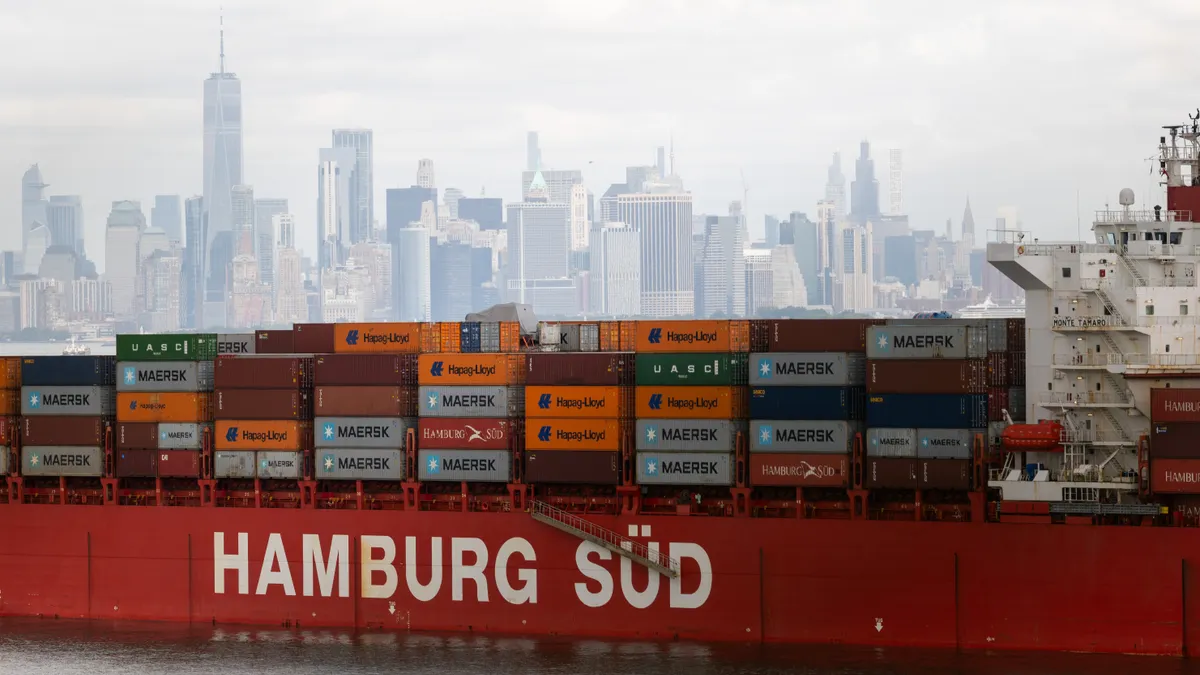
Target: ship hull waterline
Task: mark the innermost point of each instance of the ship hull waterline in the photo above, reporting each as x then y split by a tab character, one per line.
947	585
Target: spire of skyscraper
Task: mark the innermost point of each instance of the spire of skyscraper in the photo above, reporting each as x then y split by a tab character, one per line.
968	222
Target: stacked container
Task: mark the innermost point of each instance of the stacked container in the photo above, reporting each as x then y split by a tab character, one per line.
1006	369
578	405
367	442
263	410
172	397
690	400
10	407
926	399
1175	441
67	408
468	402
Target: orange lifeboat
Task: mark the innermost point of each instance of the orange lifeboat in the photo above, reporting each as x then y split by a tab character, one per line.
1041	437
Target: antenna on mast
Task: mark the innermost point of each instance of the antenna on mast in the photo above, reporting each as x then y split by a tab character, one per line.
222	21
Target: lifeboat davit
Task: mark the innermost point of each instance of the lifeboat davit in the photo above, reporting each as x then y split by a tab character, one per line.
1041	437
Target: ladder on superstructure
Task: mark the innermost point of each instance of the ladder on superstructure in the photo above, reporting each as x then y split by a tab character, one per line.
603	537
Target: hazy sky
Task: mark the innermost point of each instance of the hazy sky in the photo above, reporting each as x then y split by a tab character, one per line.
1008	102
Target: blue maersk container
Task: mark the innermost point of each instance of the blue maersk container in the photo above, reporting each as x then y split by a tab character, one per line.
69	371
806	403
932	411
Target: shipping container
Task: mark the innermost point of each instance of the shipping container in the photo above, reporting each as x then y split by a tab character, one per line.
235	343
313	338
264	372
10	372
997	335
999	370
927	376
808	369
929	340
365	402
890	473
362	432
946	443
1016	403
579	337
262	404
693	336
273	342
475	466
63	430
806	403
718	403
137	463
164	407
1175	440
359	464
1016	366
83	401
944	474
576	468
62	460
68	371
803	436
994	429
469	369
383	337
887	442
997	403
130	435
470	433
581	369
234	463
5	459
694	370
164	436
818	335
167	347
931	411
487	336
10	429
1174	405
286	435
164	376
178	463
799	470
684	435
573	434
603	402
1175	476
1016	335
10	402
279	465
684	468
378	370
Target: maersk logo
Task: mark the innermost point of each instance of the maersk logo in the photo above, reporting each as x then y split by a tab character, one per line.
765	435
130	375
544	401
764	368
231	436
435	464
883	341
655	336
34	459
656	401
544	434
433	400
651	435
436	369
327	431
651	466
328	462
352	337
35	399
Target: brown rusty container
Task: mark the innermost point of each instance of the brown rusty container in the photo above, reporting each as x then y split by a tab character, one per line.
365	401
133	435
568	466
1175	440
817	335
1175	405
313	338
274	342
10	428
135	463
262	404
579	369
63	430
380	370
944	474
10	372
927	376
178	463
999	369
263	372
892	473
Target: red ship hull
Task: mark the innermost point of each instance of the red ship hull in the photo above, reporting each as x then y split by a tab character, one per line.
987	586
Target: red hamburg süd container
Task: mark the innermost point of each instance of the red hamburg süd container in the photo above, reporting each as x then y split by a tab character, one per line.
463	433
135	464
62	430
262	372
313	338
9	429
799	470
273	342
178	463
384	370
262	404
1178	476
944	474
365	401
1175	440
134	435
1175	405
569	466
819	335
1016	367
598	369
892	473
927	376
997	403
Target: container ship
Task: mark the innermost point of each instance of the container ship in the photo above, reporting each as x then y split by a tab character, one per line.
964	483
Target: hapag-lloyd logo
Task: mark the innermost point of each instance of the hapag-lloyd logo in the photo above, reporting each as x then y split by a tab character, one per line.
513	570
694	403
684	338
372	338
470	371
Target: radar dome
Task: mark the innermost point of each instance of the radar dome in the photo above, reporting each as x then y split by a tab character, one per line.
1126	197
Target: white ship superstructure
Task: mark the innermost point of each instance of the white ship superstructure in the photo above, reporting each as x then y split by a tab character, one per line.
1106	321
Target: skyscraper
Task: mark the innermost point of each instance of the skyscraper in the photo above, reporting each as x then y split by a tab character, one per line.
265	211
242	203
122	256
425	175
558	183
167	215
222	171
835	188
412	268
664	223
193	261
864	191
539	252
724	268
533	152
362	220
64	216
33	215
337	186
616	270
896	181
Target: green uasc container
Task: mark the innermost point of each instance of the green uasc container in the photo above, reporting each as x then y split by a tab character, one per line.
167	347
693	370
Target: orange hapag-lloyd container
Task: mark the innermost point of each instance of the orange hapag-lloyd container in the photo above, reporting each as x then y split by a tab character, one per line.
469	369
551	433
262	435
693	336
375	338
710	403
140	406
590	402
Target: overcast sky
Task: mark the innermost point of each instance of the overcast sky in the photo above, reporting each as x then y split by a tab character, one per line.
1011	102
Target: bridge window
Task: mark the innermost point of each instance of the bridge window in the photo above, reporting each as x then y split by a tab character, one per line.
1183	309
1149	310
1066	272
